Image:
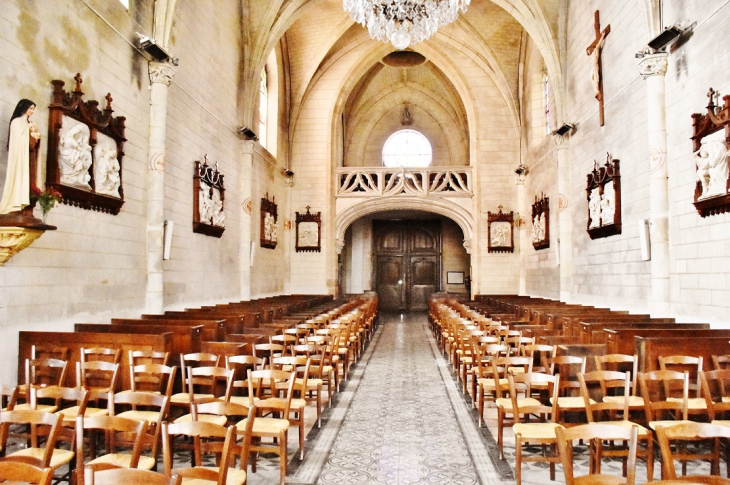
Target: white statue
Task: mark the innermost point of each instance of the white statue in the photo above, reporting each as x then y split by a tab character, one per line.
500	234
218	217
106	168
712	168
594	209
608	205
74	157
205	206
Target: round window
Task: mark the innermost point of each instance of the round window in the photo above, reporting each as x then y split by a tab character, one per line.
407	148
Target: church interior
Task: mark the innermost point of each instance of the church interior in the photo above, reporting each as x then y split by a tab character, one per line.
276	158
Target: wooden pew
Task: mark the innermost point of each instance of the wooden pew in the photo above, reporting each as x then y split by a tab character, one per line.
226	349
621	340
574	325
589	351
214	330
76	340
186	339
593	332
249	339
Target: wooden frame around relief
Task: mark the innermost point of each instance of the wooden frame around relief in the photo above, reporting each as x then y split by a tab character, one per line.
541	212
702	126
207	183
269	216
309	231
604	180
498	241
93	187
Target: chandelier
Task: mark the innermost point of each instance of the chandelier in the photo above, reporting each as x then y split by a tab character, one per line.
404	22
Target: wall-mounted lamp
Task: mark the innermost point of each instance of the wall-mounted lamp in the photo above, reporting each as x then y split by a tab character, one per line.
155	50
289	176
248	133
566	129
666	37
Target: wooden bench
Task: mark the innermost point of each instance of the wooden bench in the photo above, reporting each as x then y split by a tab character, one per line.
226	349
250	339
213	330
589	351
594	333
621	340
185	339
76	340
574	325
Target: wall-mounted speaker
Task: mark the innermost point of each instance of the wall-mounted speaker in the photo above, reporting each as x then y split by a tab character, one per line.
253	250
644	239
169	226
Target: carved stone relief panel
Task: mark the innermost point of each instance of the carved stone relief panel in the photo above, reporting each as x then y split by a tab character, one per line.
540	232
603	191
501	238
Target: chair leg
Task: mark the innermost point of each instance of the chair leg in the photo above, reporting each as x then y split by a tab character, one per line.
500	427
282	456
518	459
301	434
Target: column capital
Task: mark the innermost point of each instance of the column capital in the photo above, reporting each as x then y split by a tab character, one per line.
653	65
248	147
467	245
340	244
161	72
561	141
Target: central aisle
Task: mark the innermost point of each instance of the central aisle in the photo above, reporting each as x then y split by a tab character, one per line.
401	426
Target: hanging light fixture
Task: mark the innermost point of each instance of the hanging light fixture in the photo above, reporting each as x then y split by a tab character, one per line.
404	22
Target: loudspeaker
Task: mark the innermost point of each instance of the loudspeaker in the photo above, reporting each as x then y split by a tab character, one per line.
644	239
253	249
169	226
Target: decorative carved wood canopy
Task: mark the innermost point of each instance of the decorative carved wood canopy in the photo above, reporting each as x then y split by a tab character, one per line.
501	236
604	199
711	160
85	150
541	223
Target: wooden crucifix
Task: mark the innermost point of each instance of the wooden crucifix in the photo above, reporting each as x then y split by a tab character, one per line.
594	51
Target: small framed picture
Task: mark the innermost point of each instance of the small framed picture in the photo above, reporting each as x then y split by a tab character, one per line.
455	277
308	237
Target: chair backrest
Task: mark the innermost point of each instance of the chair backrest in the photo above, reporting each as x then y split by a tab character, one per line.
100	353
111	425
569	367
196	359
521	384
267	350
268	378
298	364
621	363
139	357
207	438
596	386
689	431
210	378
595	431
721	362
99	376
59	395
40	351
716	391
45	371
684	363
51	423
115	476
504	366
18	471
286	340
152	378
9	396
656	389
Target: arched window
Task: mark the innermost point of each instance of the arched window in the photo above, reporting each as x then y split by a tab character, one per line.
407	148
263	107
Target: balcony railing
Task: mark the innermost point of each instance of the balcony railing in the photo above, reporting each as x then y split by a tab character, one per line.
432	181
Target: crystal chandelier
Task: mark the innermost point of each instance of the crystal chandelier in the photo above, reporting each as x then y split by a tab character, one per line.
404	22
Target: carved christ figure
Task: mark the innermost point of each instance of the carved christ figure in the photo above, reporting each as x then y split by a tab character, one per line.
712	168
594	51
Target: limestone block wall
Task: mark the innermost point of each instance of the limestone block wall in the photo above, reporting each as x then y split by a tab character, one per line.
202	118
699	249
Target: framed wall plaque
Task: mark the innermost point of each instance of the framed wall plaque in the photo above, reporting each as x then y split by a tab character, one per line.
711	157
501	238
269	216
455	277
85	150
209	218
603	190
541	223
309	228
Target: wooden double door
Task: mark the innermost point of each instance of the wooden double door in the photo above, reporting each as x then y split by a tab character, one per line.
408	263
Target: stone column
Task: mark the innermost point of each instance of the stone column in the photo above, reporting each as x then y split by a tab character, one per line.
248	218
565	232
522	239
654	68
161	75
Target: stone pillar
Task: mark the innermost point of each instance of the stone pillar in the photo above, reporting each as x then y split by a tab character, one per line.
565	232
248	218
522	239
654	69
161	75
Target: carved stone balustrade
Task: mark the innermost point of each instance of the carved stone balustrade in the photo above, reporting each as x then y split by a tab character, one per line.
380	181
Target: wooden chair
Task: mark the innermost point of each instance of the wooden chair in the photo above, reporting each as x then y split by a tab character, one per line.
478	364
521	405
115	476
271	427
145	406
716	392
684	433
208	378
657	390
541	355
100	354
197	359
42	372
298	401
68	401
693	366
113	428
43	424
571	407
240	364
9	396
18	471
502	368
491	384
591	432
140	357
100	379
314	381
630	364
596	387
208	438
284	340
720	362
154	378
